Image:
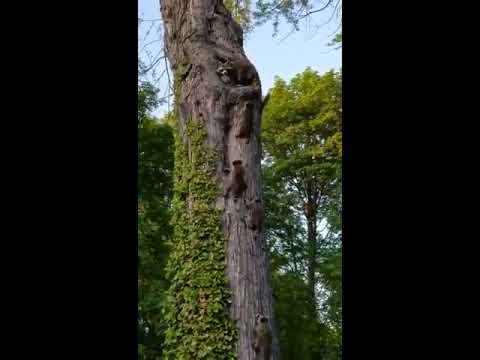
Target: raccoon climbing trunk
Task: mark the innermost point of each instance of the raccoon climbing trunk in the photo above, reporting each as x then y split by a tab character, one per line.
218	88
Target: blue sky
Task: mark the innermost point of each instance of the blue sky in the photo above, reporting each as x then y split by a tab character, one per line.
272	56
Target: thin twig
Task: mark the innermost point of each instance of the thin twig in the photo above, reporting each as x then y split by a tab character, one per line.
154	63
152	20
287	36
336	29
149	43
315	11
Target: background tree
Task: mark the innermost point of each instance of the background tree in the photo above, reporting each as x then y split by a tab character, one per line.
302	141
155	166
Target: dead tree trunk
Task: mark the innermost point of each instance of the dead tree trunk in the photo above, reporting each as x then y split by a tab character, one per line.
217	86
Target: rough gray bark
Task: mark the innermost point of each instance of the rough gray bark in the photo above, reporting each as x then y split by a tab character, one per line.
218	86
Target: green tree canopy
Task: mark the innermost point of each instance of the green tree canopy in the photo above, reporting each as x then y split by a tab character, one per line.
155	167
301	134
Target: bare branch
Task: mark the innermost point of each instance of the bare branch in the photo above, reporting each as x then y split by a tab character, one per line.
329	20
336	29
154	63
328	51
316	11
149	20
149	43
287	36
